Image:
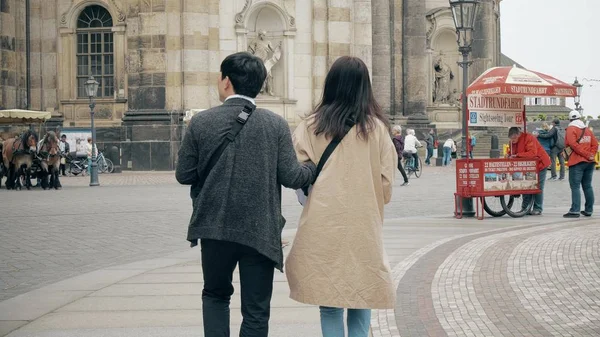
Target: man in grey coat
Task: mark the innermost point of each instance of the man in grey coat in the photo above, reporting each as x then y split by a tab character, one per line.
237	204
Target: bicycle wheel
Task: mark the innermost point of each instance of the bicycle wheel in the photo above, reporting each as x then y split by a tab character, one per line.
408	167
74	169
102	167
420	170
493	205
110	167
520	210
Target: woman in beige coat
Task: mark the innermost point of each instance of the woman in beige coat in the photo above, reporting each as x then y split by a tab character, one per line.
337	259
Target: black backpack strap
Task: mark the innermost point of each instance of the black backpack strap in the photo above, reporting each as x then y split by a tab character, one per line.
237	126
329	150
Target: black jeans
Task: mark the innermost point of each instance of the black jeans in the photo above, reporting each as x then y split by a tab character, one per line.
219	259
401	169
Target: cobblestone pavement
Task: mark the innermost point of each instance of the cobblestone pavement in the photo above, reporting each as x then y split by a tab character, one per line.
48	236
535	280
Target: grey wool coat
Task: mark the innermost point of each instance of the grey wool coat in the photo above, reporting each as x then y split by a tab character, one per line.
240	200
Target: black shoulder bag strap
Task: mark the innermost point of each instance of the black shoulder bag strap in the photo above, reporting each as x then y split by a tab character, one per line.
329	150
237	126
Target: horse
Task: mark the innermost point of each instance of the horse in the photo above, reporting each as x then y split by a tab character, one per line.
49	153
17	155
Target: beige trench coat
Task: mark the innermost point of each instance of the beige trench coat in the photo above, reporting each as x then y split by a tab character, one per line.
337	258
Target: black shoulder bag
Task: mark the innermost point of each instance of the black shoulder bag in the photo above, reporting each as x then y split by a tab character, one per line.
303	192
237	126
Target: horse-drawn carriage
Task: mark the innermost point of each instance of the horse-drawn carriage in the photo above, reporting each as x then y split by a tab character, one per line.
24	155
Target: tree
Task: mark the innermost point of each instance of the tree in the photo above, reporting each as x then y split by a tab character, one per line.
542	117
589	118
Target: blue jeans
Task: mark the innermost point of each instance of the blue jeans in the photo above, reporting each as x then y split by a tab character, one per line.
332	322
580	176
429	155
447	155
538	202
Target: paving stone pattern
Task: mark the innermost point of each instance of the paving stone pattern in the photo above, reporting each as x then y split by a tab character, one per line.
536	280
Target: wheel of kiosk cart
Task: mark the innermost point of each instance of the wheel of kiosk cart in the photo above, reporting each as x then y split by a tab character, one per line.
493	205
519	210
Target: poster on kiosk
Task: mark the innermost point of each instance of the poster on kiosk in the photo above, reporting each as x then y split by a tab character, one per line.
490	176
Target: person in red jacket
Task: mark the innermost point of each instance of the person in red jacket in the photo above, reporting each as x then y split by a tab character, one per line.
580	140
525	145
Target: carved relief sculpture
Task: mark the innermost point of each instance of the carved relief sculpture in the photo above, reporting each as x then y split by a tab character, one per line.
263	49
443	76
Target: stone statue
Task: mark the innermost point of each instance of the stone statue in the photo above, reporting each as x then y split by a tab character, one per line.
263	49
454	98
443	76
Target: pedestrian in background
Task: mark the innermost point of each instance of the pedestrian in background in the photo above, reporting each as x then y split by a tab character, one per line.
583	146
337	260
236	195
411	143
430	143
398	140
449	147
525	145
555	136
65	149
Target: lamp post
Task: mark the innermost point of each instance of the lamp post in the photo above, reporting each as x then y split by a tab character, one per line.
464	13
91	88
579	87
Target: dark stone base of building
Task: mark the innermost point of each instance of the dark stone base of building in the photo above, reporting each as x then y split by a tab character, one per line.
145	141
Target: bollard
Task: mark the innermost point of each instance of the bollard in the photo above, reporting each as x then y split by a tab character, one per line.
439	161
115	156
495	148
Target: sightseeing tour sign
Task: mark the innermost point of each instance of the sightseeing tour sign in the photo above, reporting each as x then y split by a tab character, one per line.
503	111
493	177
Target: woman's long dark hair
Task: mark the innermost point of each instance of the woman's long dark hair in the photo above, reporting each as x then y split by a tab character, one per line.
347	94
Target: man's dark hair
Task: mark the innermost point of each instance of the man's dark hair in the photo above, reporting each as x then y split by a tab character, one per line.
513	131
63	136
246	72
556	122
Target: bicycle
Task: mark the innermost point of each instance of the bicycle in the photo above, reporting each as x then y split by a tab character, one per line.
409	166
104	164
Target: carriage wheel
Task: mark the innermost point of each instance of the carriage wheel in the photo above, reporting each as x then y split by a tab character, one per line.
520	208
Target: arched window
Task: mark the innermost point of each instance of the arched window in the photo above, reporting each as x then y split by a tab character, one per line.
95	50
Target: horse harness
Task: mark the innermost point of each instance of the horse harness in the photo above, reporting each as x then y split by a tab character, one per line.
45	155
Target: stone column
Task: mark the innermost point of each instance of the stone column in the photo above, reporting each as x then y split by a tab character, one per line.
146	46
362	42
174	46
397	52
382	53
196	59
415	67
36	55
12	55
484	53
320	48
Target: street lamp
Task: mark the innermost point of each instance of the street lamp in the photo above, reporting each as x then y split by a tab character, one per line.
579	87
464	13
91	88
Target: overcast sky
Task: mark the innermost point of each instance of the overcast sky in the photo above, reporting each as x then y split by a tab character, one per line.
557	37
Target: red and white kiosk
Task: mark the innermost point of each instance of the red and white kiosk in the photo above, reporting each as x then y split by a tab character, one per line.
497	99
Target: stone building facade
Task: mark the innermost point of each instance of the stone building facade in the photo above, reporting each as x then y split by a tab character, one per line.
156	59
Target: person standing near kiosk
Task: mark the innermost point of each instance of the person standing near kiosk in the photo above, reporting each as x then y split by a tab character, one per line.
525	145
582	146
